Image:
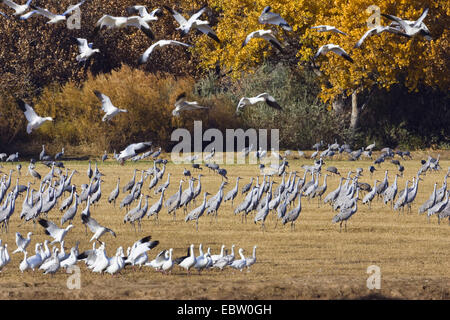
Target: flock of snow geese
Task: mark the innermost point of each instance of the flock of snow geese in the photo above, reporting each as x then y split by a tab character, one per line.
141	18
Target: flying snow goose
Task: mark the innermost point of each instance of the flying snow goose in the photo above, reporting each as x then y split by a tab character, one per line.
55	18
326	28
412	28
263	97
122	22
143	13
193	23
161	43
333	48
379	30
85	50
97	229
182	105
132	150
34	121
52	230
266	35
268	17
107	106
20	9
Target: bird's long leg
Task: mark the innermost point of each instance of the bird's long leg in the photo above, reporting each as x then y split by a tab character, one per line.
340	227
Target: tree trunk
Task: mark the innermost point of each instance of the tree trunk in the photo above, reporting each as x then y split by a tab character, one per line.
354	120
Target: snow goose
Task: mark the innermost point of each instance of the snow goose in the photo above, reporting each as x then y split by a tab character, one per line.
97	229
21	242
4	256
230	257
182	105
201	260
52	230
241	263
107	106
55	18
70	260
102	261
132	150
266	35
187	262
116	263
36	260
216	257
412	28
333	48
377	31
85	50
193	23
54	266
20	9
143	13
268	17
263	97
168	263
122	22
161	43
24	264
34	121
139	251
326	28
159	260
89	256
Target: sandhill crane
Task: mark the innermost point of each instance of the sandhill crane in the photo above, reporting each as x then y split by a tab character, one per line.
197	212
344	215
115	193
69	215
232	193
430	202
438	207
293	215
155	208
369	196
262	214
175	203
390	192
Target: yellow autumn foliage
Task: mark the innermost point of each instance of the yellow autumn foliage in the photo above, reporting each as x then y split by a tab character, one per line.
382	60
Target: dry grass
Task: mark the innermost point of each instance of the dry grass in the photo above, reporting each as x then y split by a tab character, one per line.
314	261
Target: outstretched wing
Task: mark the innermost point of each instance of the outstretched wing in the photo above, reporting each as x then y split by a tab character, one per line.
177	16
422	17
91	223
107	105
270	100
28	111
50	228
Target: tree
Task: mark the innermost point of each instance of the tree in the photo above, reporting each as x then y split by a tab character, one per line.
382	61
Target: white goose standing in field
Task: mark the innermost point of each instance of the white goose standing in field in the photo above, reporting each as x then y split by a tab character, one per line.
193	23
241	263
116	263
52	17
263	97
161	43
333	48
251	260
266	35
187	262
34	121
107	106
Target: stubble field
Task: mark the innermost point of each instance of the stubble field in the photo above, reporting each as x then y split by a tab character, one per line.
315	261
